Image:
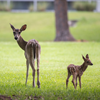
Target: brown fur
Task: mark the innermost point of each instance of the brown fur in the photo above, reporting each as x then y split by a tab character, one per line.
77	71
32	51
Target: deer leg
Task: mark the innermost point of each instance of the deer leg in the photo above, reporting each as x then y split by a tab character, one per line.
73	81
33	77
38	82
34	74
32	63
27	65
80	81
38	61
67	80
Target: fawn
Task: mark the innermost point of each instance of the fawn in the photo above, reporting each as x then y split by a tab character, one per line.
77	71
32	51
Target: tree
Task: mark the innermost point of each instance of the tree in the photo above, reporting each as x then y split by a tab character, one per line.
62	28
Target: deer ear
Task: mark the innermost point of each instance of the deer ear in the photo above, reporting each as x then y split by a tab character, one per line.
23	27
12	27
87	56
83	58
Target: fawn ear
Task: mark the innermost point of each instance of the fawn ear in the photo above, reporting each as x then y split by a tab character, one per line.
12	27
83	58
23	27
87	56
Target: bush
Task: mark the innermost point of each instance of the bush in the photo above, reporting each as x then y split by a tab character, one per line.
31	8
84	6
42	6
4	7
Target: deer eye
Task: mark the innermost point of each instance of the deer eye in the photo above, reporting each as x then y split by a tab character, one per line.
87	61
14	32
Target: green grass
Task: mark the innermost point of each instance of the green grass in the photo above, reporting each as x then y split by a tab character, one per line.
88	26
41	25
55	57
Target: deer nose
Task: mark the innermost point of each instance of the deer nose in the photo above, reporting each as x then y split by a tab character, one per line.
91	64
16	38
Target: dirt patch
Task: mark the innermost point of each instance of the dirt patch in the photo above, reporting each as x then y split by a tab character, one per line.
81	41
2	97
34	98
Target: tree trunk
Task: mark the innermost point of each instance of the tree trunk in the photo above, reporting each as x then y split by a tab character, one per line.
62	28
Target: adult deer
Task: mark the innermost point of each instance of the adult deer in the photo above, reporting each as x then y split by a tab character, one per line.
32	51
77	71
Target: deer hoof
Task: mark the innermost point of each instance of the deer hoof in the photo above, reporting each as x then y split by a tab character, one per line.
38	83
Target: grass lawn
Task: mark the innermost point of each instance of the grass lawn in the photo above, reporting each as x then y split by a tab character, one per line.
41	25
55	57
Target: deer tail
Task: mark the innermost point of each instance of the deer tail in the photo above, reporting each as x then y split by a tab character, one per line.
34	50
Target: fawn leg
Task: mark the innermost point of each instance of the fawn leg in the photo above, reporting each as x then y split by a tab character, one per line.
80	81
67	80
27	65
73	81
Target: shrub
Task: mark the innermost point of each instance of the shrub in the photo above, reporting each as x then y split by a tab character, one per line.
31	8
4	7
90	6
42	6
84	6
